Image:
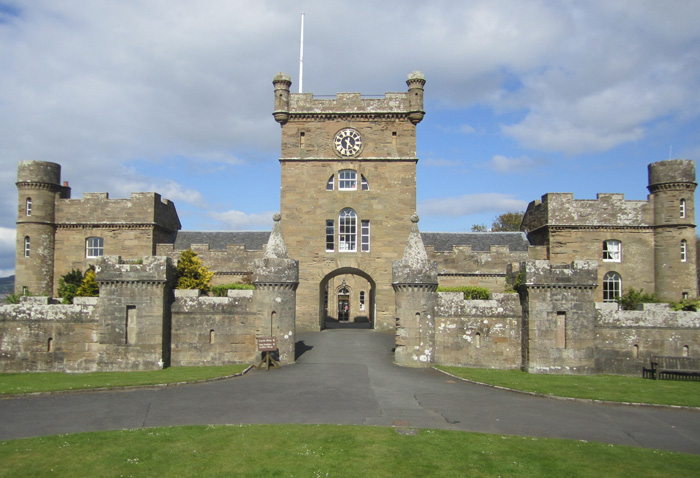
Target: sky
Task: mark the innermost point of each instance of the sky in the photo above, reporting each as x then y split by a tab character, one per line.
522	98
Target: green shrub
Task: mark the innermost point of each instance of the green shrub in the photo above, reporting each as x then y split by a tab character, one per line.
632	298
88	286
470	292
14	298
68	285
222	290
688	305
191	273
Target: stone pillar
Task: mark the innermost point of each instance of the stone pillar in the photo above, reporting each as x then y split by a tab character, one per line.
134	312
558	317
415	285
276	278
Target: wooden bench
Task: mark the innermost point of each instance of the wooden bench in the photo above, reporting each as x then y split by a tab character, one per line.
670	367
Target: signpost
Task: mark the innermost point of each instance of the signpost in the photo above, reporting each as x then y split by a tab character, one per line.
267	345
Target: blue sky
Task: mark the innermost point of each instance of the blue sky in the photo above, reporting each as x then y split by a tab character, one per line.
522	97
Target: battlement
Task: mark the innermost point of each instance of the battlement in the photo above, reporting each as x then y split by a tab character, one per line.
578	274
608	209
348	103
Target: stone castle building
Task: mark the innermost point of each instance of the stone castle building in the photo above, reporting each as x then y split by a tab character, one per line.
348	202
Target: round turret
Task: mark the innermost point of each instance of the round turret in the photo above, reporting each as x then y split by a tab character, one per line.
664	174
415	82
39	172
282	83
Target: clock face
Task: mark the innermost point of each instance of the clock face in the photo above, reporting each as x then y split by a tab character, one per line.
348	142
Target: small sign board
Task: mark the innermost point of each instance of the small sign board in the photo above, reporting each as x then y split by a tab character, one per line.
266	344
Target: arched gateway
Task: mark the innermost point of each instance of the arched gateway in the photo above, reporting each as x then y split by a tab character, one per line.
347	297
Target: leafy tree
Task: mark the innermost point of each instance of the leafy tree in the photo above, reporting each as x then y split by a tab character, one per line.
68	285
88	286
479	228
632	298
191	274
508	221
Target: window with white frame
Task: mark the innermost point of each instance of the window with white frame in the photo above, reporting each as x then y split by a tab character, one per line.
612	287
363	182
364	236
362	300
94	247
347	231
330	235
27	246
347	180
330	184
612	251
684	251
28	208
682	208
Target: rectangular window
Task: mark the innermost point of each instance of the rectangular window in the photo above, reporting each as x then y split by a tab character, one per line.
330	235
94	247
561	330
27	247
682	208
684	251
347	231
362	300
347	180
365	236
29	207
612	251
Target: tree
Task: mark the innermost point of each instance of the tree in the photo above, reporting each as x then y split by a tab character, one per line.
508	221
88	286
191	274
479	228
68	285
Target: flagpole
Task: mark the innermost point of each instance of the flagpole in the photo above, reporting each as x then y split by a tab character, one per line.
301	56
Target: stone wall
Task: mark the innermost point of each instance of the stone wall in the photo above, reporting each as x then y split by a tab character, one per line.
39	336
624	340
478	333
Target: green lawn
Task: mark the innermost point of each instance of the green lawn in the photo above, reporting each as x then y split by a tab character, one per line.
327	450
12	383
612	388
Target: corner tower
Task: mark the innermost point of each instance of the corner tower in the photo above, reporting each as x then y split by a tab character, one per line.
38	187
672	187
348	179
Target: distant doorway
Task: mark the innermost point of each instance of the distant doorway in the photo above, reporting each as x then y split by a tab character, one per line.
346	300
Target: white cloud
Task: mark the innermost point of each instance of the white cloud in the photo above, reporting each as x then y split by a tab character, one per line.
471	204
466	129
503	164
240	221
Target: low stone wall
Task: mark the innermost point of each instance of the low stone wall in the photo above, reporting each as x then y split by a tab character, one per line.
478	333
214	330
39	336
625	339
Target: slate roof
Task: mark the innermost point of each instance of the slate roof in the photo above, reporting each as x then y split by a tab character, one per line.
480	241
218	240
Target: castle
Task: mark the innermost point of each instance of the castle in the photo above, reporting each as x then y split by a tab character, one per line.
347	248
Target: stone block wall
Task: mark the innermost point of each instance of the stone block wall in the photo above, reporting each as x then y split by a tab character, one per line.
478	333
215	330
625	339
39	336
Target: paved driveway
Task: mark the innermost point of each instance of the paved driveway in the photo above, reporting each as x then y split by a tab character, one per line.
347	377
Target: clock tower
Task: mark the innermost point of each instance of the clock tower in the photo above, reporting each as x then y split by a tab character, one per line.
348	178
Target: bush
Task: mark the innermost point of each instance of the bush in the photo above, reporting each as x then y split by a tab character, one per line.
88	286
14	298
688	305
68	285
222	290
470	292
631	299
191	274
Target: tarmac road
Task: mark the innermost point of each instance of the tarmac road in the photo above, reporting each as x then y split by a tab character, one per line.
346	376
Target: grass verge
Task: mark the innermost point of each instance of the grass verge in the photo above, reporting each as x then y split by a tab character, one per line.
327	450
12	383
613	388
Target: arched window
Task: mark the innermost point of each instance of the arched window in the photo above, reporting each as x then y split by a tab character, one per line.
347	231
330	183
212	336
94	247
682	208
27	246
612	251
684	251
612	287
347	180
364	183
28	207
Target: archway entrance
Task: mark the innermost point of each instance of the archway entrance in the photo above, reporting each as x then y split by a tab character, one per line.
346	299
